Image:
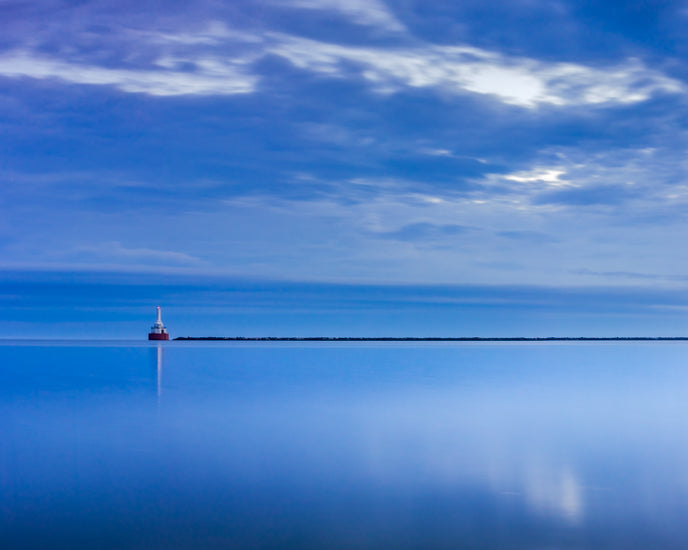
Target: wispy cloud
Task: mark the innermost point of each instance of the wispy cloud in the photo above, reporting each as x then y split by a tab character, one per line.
547	176
639	179
213	34
363	12
338	144
622	274
209	77
516	81
221	61
114	250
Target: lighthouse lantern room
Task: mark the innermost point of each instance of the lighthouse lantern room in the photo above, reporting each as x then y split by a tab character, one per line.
158	330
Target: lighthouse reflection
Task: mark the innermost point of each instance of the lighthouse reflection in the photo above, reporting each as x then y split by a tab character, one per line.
158	370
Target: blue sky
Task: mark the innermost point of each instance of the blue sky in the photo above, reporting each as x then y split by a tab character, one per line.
348	147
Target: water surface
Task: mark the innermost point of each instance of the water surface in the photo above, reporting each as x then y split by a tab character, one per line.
293	445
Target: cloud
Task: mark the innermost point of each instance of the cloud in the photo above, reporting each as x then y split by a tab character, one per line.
218	60
631	275
363	12
620	274
598	195
547	176
321	165
114	250
511	226
210	77
436	152
643	181
516	81
215	33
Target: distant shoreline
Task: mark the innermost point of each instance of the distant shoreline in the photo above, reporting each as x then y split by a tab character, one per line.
427	339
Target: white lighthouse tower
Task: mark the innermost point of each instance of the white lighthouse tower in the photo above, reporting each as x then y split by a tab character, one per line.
158	330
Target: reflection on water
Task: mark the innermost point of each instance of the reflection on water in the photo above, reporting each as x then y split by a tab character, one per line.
350	446
158	369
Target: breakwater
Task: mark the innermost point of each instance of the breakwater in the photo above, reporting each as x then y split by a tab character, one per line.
431	339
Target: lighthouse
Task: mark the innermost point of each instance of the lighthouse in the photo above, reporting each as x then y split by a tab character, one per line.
158	330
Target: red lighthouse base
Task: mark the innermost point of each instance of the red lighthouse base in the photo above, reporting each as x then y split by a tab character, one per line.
157	336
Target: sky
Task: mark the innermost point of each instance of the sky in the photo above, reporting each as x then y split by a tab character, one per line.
338	160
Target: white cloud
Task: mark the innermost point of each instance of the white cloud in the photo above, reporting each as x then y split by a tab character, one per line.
211	77
216	32
644	180
363	12
516	81
222	61
437	152
550	177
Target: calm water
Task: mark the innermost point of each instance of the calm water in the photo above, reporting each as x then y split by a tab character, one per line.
225	445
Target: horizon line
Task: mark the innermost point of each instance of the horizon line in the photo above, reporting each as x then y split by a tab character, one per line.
424	338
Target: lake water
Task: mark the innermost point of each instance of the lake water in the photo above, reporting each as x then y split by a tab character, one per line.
227	445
